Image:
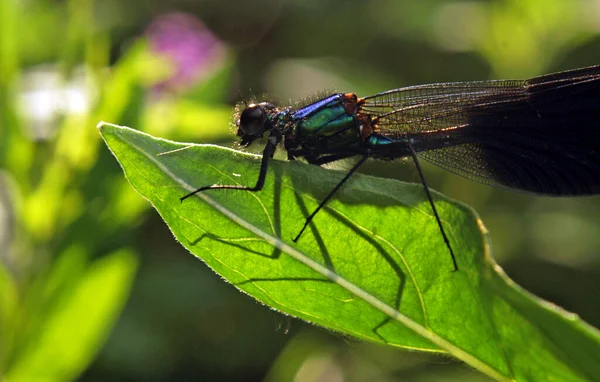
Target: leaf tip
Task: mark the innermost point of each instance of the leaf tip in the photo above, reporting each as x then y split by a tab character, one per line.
102	126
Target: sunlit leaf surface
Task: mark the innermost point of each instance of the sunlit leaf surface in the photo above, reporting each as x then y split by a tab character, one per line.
373	265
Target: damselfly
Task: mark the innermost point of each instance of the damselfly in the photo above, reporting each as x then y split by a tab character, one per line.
540	135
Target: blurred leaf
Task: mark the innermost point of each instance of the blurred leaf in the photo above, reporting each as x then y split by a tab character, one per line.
213	89
44	206
362	263
8	308
523	36
74	330
9	40
185	118
43	295
302	348
135	67
10	59
79	26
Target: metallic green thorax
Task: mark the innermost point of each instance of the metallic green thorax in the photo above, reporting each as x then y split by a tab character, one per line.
322	127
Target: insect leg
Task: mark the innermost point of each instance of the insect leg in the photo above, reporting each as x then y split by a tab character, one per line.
331	193
268	152
430	198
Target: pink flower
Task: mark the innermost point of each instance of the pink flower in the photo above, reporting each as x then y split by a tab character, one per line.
191	47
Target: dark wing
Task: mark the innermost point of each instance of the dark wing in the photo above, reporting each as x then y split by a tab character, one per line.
540	135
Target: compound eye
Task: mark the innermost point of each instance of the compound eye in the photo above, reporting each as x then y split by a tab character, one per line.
252	120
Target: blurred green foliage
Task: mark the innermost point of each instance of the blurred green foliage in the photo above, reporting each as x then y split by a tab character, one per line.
73	232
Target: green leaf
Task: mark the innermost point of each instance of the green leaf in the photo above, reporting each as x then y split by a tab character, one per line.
372	265
74	330
9	303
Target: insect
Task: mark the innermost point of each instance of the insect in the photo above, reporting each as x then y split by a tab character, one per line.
540	135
